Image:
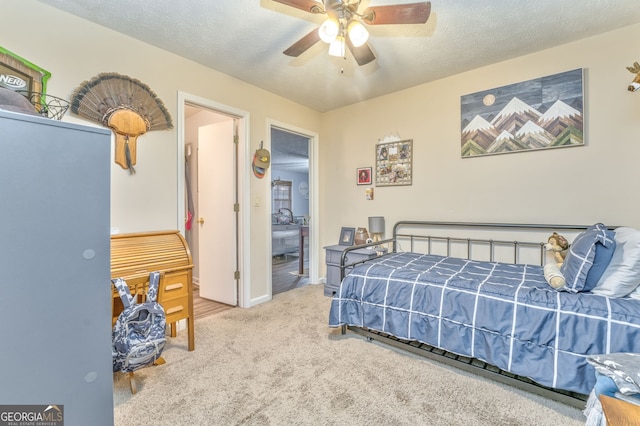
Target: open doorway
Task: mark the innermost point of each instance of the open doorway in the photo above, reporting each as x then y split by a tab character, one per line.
212	136
290	205
209	140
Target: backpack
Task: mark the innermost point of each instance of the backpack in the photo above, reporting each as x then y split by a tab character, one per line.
139	332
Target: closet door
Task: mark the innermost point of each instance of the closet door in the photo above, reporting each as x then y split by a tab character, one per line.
217	218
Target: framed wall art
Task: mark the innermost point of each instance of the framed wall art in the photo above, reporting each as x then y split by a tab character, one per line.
541	113
346	236
18	74
364	176
394	163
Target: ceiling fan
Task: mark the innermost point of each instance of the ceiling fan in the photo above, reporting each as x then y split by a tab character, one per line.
344	25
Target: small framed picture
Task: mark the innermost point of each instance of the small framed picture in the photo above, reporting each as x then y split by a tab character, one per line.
369	194
346	236
364	176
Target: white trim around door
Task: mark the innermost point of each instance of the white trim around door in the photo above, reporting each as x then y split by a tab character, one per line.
244	243
314	209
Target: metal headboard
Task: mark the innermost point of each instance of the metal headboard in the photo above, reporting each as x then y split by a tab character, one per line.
414	238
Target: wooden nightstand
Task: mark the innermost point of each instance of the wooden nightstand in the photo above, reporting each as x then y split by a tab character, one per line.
333	254
619	412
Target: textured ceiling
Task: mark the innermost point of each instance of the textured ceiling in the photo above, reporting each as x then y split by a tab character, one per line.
245	38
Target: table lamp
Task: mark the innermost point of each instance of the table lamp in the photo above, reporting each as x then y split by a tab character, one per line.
376	227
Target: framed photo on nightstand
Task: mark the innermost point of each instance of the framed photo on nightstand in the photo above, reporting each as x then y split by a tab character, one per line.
346	236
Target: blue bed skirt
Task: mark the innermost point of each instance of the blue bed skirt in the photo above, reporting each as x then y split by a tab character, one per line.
503	314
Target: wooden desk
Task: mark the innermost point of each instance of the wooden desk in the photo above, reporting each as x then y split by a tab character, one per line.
134	256
619	412
304	232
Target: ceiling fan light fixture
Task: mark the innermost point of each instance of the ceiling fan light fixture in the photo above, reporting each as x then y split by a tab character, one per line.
329	30
358	34
337	47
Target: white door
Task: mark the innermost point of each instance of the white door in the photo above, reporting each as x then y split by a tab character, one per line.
216	218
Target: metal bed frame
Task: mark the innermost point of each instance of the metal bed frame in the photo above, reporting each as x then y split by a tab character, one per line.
468	364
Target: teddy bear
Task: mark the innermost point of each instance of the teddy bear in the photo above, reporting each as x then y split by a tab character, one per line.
557	247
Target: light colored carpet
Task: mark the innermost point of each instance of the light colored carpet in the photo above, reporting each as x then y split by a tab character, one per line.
280	364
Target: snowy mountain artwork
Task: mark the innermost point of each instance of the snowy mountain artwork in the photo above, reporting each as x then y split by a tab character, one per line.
545	112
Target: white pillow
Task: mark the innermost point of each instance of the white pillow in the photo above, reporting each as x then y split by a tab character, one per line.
622	276
635	294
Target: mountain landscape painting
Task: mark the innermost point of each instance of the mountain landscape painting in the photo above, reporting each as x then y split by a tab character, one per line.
545	112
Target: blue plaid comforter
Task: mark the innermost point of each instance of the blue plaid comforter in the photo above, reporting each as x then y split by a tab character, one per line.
506	315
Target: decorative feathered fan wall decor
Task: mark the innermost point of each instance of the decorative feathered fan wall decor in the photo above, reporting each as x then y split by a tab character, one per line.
125	105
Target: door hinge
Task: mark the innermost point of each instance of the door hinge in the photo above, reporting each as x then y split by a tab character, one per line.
236	139
236	275
236	207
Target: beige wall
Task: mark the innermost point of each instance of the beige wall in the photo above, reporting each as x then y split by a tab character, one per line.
583	185
74	50
596	182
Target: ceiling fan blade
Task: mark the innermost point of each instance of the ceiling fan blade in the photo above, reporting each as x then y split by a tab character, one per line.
362	54
300	46
311	6
410	13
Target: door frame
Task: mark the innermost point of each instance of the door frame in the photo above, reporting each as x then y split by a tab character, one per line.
244	244
314	208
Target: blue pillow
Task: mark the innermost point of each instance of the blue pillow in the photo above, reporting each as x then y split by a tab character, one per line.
581	256
604	254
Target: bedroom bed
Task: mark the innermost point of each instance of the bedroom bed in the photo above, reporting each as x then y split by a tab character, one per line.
484	302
